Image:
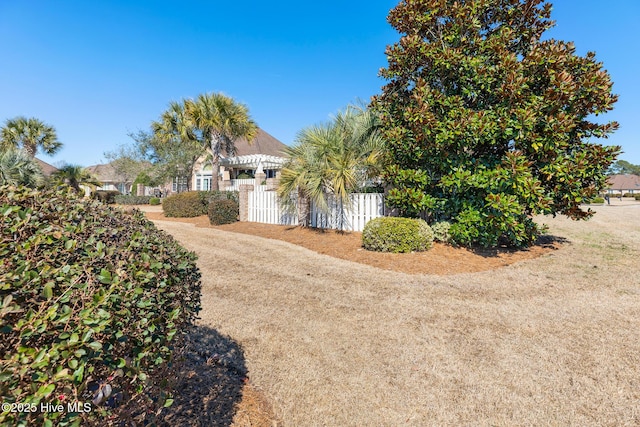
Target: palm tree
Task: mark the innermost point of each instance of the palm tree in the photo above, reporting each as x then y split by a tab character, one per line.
221	121
176	129
331	159
75	177
29	134
18	168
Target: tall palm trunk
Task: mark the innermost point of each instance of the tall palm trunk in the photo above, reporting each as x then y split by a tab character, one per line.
216	145
304	208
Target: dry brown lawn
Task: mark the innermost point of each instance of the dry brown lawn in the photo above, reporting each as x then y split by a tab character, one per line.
552	340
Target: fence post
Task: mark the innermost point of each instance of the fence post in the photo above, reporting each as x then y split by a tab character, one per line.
244	201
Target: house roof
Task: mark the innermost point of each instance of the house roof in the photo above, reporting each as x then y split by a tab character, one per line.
106	173
47	169
624	182
263	143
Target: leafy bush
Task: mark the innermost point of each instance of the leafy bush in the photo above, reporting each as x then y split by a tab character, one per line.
132	200
391	234
105	196
637	196
441	231
597	200
154	201
223	211
194	203
183	205
628	195
92	302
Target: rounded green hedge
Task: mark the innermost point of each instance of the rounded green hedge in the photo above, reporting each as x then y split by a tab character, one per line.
223	211
92	302
392	234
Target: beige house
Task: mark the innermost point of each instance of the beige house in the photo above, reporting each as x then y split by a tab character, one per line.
265	155
110	179
622	184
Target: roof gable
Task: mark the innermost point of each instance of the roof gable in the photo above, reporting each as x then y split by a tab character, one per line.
263	143
46	168
624	182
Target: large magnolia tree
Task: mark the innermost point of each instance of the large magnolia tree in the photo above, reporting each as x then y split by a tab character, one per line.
487	123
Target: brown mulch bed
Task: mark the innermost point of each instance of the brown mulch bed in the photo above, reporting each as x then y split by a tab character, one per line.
440	259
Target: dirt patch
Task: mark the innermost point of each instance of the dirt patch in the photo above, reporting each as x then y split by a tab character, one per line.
440	259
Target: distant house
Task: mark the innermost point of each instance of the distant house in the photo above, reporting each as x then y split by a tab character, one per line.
47	169
265	154
110	179
621	184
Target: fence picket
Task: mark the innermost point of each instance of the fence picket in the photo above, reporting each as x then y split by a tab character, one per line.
265	207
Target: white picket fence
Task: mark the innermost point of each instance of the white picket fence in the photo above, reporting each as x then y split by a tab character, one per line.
236	183
265	207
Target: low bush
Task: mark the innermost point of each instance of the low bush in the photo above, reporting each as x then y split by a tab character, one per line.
628	195
183	205
132	200
637	196
106	196
223	211
93	302
392	234
441	231
194	203
154	201
596	200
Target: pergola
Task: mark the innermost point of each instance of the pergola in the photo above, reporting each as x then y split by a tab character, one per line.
254	161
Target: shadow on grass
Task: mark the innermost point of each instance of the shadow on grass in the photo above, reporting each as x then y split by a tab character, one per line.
209	381
543	242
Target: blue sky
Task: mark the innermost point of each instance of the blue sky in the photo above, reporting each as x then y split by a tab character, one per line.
97	70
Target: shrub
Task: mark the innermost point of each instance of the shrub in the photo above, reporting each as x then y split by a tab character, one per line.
223	211
391	234
92	302
183	205
441	231
105	196
154	201
597	200
637	196
132	200
627	195
194	203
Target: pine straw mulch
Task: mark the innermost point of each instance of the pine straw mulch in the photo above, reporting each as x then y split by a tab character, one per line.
440	259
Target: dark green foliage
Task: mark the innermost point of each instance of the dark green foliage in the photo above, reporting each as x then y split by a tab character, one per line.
90	297
194	203
596	200
628	195
488	125
392	234
223	211
132	200
154	201
105	196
